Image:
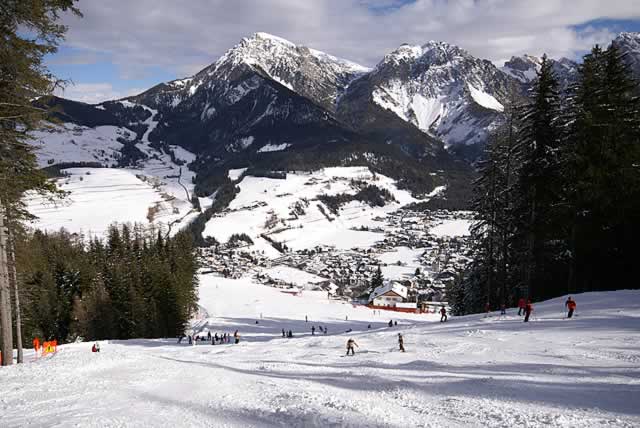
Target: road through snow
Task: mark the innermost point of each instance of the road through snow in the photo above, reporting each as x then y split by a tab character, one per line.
470	371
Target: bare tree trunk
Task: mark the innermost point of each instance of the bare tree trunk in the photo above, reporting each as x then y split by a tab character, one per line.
5	296
531	241
13	277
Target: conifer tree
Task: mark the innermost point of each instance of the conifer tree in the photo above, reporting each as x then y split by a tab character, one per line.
29	31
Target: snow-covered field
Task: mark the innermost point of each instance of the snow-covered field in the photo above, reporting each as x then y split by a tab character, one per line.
471	371
265	205
100	196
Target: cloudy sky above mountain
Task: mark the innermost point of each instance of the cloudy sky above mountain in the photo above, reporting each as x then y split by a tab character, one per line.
123	46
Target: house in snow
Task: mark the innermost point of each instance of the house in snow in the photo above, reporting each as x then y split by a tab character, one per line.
389	294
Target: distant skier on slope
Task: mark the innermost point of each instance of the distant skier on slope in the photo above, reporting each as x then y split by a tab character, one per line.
283	333
350	344
521	306
401	342
443	314
313	330
390	323
527	311
570	304
236	336
95	347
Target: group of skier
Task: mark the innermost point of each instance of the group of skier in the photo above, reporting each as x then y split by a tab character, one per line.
526	308
213	339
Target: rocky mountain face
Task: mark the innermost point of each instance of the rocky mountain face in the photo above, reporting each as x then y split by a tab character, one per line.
524	69
439	88
270	104
629	45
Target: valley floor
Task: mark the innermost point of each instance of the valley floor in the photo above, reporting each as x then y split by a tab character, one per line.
470	371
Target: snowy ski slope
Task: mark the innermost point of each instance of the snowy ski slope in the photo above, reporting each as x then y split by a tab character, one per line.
469	372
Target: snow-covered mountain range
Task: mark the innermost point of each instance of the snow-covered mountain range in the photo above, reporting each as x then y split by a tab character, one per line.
270	104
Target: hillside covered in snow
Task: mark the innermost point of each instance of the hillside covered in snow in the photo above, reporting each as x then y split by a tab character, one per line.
474	371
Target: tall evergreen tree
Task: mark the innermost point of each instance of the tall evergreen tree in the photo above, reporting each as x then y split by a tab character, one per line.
29	31
535	208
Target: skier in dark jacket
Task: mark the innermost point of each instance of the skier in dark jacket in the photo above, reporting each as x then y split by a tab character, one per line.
401	342
527	311
390	323
350	344
236	336
570	304
313	330
283	333
443	314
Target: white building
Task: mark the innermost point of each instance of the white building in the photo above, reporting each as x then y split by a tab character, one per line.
389	294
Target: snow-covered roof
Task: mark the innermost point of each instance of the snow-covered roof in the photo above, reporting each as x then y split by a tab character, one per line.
395	287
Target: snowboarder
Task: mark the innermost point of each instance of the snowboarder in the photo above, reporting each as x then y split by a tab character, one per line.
390	323
570	304
521	306
527	311
401	342
313	330
443	314
350	344
95	347
283	333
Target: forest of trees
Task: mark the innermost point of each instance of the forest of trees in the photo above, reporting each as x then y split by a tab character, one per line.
135	283
558	193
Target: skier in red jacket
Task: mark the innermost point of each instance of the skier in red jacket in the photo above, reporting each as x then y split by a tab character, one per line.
521	306
570	304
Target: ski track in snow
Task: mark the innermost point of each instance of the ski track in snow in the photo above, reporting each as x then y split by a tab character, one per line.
471	371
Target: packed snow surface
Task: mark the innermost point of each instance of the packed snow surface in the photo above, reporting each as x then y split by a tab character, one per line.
469	372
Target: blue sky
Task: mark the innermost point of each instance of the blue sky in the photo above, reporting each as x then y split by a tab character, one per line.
122	47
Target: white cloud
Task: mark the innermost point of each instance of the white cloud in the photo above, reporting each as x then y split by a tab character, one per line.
93	93
182	36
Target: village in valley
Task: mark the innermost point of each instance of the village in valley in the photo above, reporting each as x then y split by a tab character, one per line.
418	254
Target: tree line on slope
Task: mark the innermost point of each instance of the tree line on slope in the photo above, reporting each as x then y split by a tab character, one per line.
558	193
135	283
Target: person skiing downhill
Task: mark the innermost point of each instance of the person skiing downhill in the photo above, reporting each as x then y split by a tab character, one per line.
570	304
401	342
521	306
313	330
443	314
527	311
350	344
